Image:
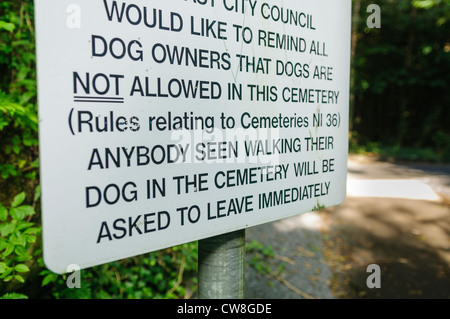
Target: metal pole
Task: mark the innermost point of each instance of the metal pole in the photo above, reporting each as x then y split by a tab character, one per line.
221	266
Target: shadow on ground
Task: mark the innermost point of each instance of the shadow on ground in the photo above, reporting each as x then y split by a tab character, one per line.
285	260
408	239
325	254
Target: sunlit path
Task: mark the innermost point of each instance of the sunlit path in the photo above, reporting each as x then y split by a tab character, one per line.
389	188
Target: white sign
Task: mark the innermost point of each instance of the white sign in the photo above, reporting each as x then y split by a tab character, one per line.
165	122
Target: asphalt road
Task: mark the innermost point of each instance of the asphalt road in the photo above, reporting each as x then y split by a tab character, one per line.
395	216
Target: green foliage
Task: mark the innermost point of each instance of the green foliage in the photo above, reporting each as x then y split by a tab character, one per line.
17	236
19	161
14	295
18	140
6	26
169	274
17	51
426	4
259	255
23	118
403	153
318	206
18	110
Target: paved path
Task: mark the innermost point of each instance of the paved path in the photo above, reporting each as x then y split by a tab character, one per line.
395	216
298	269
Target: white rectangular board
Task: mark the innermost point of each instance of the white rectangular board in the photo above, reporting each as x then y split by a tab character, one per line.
165	122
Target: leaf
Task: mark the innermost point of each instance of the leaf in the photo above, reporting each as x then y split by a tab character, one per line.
18	199
9	249
8	170
6	273
3	243
17	238
7	26
21	268
7	229
15	214
27	210
37	192
19	278
3	213
23	225
22	253
49	278
21	211
14	295
16	149
30	239
32	231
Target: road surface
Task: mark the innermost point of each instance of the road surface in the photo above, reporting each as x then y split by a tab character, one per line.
395	216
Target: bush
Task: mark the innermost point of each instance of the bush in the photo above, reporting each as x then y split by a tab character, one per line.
168	274
17	239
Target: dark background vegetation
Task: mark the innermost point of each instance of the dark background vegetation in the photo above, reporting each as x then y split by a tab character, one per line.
400	80
399	109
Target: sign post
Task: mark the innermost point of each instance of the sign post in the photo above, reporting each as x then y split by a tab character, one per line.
221	266
166	122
